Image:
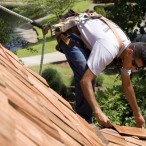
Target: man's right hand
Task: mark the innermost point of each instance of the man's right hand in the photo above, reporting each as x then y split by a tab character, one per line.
102	119
140	122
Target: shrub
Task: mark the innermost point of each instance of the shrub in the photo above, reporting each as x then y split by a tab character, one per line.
54	79
5	32
113	103
139	84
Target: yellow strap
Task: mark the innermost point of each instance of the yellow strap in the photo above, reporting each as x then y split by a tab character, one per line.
65	39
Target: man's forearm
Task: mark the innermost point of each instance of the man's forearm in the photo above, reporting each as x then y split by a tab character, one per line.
130	95
88	92
90	97
87	88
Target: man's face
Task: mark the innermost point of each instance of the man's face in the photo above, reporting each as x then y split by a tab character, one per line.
130	62
137	63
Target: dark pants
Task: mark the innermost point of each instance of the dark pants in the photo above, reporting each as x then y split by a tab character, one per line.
77	58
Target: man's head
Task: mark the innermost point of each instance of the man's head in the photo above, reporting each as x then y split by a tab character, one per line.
134	56
139	53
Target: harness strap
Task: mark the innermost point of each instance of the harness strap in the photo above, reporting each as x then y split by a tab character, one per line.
66	40
110	24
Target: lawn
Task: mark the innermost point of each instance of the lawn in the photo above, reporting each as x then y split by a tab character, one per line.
50	44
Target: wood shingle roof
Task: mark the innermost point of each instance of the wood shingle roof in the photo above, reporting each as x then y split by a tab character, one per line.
33	114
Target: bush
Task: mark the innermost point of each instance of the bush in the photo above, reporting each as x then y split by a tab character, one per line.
54	79
114	104
139	84
5	32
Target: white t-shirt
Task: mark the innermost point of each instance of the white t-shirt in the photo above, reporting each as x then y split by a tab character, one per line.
102	42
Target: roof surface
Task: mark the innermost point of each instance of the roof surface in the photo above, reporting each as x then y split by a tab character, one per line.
33	114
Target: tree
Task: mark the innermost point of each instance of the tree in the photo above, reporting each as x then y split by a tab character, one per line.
33	9
38	8
58	7
4	31
128	15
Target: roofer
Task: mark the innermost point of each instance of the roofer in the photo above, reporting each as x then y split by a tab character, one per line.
89	47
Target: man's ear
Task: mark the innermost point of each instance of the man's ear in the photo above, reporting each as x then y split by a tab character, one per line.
129	52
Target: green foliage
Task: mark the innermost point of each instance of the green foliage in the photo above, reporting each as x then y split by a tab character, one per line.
4	31
38	8
139	84
115	106
128	15
33	9
100	10
54	79
58	7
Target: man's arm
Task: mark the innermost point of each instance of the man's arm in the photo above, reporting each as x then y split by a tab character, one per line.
87	88
131	98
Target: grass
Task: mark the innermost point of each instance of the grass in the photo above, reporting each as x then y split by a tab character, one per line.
110	80
50	44
82	5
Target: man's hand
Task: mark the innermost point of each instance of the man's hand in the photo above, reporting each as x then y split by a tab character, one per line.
102	119
140	122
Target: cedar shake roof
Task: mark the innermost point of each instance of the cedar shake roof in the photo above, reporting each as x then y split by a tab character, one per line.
32	114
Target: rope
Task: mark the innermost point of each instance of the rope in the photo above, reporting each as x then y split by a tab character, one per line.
14	13
42	56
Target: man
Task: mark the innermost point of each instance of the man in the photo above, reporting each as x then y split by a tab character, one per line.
104	44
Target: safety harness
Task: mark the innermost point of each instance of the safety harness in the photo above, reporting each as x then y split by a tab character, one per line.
68	26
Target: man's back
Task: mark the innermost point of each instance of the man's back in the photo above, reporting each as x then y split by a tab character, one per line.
93	30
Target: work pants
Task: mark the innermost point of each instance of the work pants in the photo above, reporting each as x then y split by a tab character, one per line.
77	58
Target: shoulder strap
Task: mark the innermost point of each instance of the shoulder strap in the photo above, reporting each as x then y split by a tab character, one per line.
109	23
